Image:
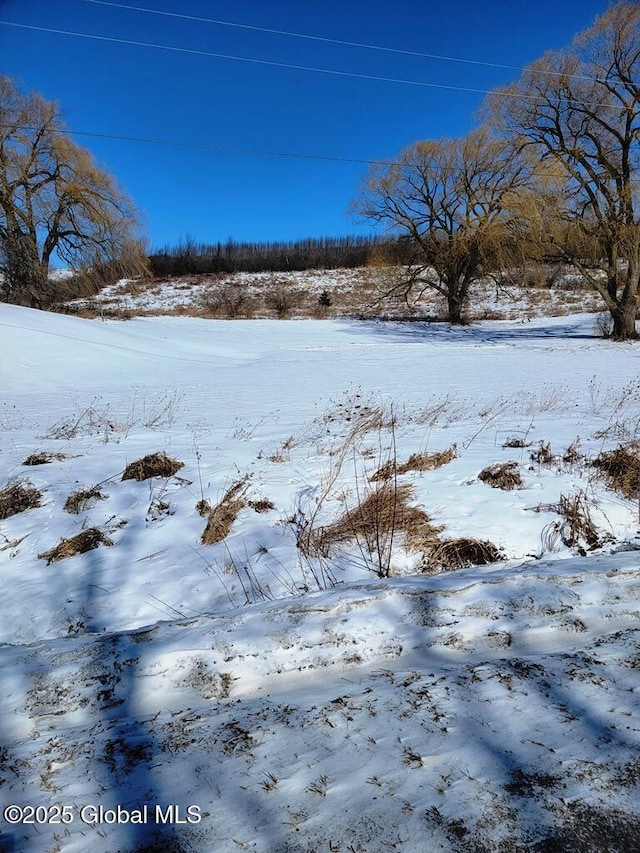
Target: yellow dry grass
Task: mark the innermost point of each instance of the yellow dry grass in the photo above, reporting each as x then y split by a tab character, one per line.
220	518
88	540
18	497
416	462
153	465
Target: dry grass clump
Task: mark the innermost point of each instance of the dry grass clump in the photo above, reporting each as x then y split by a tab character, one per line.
153	465
459	553
81	499
261	505
383	512
43	458
88	540
577	525
516	441
18	497
621	469
416	462
572	454
577	529
502	475
223	514
203	507
542	455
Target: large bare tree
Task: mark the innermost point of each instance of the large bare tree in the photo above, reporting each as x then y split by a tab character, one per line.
578	111
445	200
55	202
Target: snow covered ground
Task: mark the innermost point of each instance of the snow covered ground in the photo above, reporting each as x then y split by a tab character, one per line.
303	693
352	292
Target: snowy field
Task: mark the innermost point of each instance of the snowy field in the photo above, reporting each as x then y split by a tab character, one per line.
309	683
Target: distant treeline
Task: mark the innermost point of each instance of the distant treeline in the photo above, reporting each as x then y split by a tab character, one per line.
190	257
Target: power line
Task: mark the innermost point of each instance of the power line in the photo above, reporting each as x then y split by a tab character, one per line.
194	52
343	42
292	155
329	71
326	40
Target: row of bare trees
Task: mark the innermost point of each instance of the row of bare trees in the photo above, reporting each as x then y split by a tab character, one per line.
550	175
192	257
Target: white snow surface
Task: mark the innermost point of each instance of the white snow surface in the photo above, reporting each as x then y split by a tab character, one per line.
308	704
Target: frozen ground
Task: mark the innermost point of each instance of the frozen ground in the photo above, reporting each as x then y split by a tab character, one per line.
299	700
352	292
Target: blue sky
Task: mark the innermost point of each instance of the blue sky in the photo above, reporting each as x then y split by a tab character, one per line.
107	87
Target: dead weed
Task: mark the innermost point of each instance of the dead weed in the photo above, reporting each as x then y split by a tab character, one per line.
621	469
81	499
261	505
502	475
458	553
416	462
223	514
153	465
44	457
380	514
577	529
18	497
542	455
88	540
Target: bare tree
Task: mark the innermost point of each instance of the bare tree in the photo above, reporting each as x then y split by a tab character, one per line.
578	111
54	201
446	201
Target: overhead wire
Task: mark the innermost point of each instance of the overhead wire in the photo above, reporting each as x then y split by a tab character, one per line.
248	150
324	39
271	63
209	147
292	155
288	33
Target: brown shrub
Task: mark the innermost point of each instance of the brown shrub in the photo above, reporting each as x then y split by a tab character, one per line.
502	475
282	300
43	458
621	469
153	465
458	553
18	497
80	500
223	514
229	302
88	540
416	462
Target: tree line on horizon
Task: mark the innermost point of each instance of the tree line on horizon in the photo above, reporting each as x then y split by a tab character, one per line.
189	257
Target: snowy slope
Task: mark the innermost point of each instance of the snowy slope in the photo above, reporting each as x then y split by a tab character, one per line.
309	705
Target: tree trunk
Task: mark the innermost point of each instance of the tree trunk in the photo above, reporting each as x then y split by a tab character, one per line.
455	303
26	275
623	311
624	321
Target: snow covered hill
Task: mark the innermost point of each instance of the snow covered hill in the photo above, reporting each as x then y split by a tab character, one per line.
270	626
